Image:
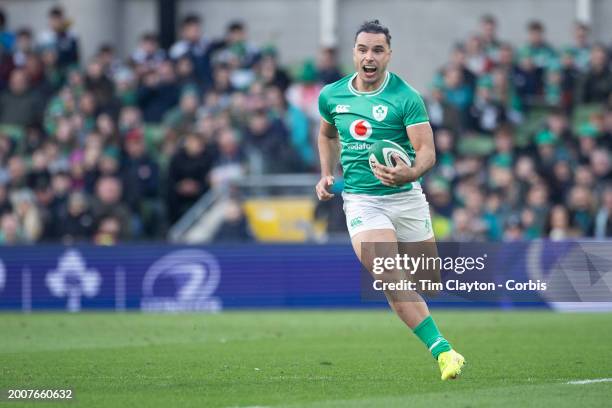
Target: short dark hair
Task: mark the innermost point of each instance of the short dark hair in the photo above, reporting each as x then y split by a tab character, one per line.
24	32
374	27
459	46
332	51
106	47
235	26
582	25
191	19
149	36
535	25
600	46
488	18
56	12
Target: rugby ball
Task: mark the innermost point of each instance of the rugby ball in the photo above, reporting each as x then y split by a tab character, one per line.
382	152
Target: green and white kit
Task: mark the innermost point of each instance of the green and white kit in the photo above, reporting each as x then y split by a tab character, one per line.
361	119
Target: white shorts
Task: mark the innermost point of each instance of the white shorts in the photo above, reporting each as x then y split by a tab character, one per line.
407	213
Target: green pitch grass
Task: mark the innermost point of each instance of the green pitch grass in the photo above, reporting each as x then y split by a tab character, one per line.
306	359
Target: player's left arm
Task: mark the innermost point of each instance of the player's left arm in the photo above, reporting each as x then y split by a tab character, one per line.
421	137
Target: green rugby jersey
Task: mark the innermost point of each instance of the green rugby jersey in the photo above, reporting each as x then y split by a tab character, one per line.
363	118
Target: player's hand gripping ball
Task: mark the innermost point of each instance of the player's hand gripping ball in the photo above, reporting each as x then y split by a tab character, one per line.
382	152
390	164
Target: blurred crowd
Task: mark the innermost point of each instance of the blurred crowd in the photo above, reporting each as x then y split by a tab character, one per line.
523	136
112	149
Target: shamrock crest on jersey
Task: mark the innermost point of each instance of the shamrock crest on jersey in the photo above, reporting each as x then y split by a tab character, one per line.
380	112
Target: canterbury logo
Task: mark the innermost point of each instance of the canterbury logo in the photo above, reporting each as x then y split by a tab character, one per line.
342	108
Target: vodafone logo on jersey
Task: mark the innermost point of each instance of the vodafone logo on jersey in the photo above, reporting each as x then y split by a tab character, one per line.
360	129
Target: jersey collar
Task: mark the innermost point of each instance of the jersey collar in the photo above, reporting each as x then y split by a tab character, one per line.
369	93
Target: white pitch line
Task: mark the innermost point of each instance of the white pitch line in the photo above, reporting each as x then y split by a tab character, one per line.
596	380
250	406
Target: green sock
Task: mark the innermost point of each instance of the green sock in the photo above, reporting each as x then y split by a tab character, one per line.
429	334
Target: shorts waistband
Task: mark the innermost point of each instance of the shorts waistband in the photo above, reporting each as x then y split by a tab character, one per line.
416	190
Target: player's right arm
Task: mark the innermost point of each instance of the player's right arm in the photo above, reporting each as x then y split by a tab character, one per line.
329	156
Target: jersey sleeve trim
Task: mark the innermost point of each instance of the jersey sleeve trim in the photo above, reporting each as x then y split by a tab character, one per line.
418	123
415	111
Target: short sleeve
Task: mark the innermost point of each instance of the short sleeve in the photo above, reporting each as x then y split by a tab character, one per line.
324	110
414	109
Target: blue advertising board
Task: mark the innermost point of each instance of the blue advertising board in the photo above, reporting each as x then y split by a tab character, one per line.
156	278
177	278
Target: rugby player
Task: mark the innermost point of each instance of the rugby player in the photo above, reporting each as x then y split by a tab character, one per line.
386	204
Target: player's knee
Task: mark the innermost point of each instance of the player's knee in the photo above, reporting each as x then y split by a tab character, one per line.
405	305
